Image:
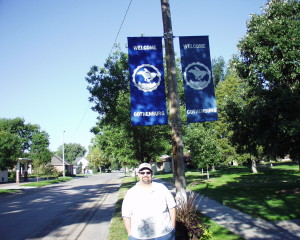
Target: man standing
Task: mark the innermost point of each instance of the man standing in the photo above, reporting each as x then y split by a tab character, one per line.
148	209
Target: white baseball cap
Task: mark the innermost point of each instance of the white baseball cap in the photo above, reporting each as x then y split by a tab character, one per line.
145	166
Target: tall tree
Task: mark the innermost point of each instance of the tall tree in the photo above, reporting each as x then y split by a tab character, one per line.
269	63
225	88
219	131
241	130
9	149
97	160
23	140
71	151
17	127
39	151
201	140
218	69
106	83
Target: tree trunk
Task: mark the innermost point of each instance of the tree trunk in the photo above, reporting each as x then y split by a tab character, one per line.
253	165
207	172
37	176
271	164
213	168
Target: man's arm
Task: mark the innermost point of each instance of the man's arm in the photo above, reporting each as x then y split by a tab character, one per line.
127	224
173	216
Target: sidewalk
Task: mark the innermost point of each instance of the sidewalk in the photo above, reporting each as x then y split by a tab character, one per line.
243	224
13	185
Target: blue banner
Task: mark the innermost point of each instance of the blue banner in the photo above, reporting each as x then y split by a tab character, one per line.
197	77
147	85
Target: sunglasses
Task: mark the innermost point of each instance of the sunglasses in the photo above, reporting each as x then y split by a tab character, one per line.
147	173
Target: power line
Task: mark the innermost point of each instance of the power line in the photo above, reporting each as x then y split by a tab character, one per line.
120	28
108	57
74	132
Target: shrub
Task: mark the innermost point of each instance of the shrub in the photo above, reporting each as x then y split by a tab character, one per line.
189	223
12	176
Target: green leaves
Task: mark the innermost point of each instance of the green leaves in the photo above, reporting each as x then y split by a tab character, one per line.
18	139
269	64
106	83
72	151
9	148
202	142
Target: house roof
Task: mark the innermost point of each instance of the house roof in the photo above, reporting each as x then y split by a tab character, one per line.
57	161
78	159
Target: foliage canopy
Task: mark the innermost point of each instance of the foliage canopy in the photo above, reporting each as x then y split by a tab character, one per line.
269	64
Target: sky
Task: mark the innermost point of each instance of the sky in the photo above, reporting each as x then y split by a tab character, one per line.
48	46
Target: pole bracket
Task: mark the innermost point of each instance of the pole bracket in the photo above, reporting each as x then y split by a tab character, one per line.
168	35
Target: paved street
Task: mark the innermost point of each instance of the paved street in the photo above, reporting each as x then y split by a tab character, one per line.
78	209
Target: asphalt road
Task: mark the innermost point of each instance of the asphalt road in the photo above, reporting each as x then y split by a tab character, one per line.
79	209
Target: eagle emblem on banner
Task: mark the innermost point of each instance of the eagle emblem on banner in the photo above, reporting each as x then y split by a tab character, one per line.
197	75
146	77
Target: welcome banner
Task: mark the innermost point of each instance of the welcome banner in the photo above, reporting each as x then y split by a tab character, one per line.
198	82
147	85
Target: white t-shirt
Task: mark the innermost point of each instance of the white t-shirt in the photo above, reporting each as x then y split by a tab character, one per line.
149	210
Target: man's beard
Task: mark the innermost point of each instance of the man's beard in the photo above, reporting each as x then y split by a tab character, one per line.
146	180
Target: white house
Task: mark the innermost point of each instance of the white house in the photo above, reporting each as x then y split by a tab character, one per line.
84	163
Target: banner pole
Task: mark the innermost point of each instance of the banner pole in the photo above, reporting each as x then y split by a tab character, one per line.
177	145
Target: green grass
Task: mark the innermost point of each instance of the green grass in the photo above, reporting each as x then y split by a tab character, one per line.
270	194
117	230
218	232
37	184
6	191
44	183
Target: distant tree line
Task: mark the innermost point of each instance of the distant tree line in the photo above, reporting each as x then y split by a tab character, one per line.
19	139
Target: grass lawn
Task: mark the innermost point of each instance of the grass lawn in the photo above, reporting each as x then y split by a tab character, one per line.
272	194
117	230
5	191
47	182
37	184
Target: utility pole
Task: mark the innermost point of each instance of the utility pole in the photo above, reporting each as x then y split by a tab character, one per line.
177	145
63	153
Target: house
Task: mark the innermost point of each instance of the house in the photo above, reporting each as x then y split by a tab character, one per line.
20	171
81	166
3	176
57	162
22	168
166	163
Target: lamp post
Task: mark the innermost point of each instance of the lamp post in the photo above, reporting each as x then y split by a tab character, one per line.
63	153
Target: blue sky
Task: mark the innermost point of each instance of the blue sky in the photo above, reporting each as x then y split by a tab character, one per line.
48	46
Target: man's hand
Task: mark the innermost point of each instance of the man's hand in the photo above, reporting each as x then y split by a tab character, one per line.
127	224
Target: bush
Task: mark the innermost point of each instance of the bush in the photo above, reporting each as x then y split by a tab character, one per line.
50	170
12	176
189	223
